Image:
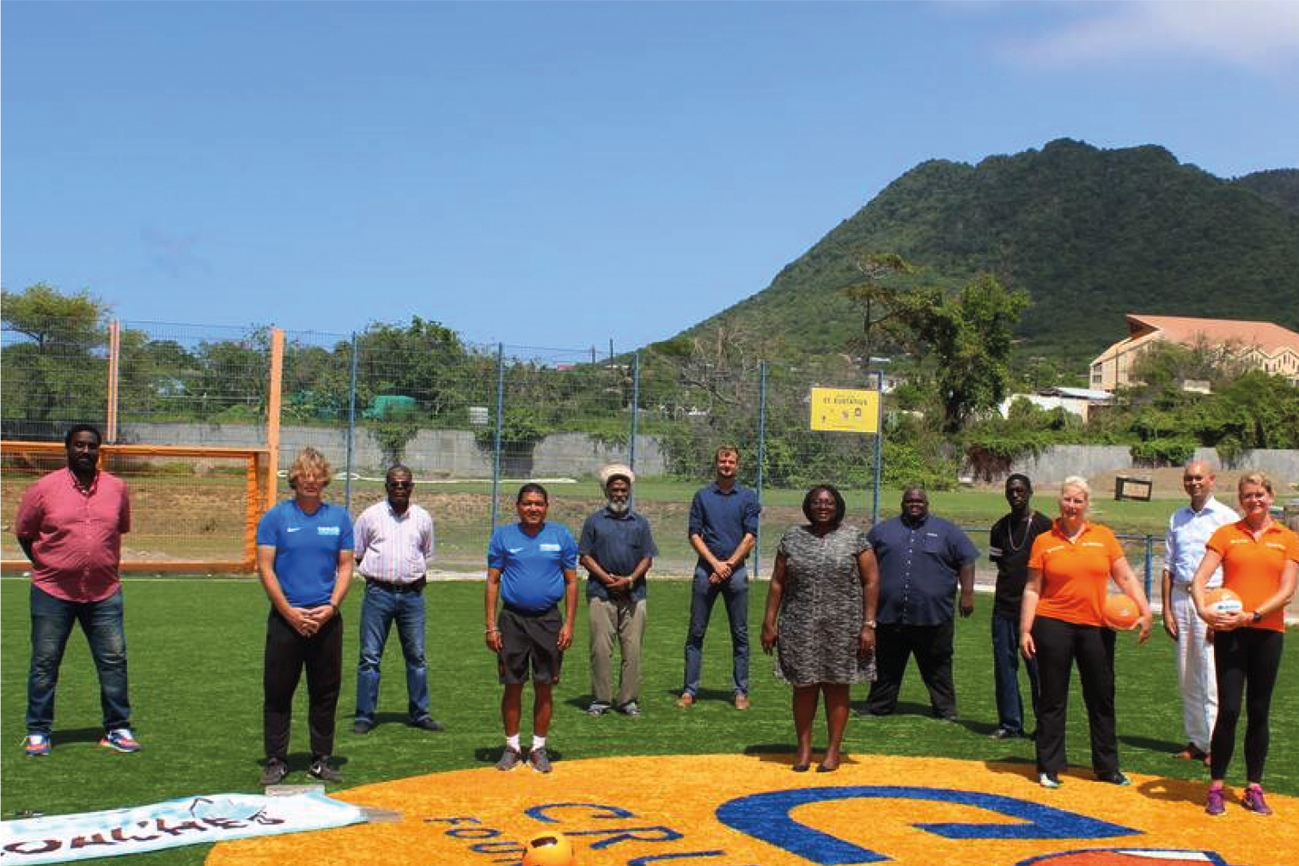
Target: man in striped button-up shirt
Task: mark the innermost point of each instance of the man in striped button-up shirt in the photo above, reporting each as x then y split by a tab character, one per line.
394	542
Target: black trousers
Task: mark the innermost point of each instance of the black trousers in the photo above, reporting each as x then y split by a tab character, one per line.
1244	655
932	647
287	653
1059	645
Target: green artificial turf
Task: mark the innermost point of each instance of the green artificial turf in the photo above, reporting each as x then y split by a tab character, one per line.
195	663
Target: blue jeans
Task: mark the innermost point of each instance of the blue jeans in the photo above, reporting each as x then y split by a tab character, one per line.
379	609
52	621
735	593
1005	668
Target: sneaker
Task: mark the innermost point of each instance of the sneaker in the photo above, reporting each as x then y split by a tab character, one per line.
274	772
539	760
321	770
362	726
630	709
427	723
1048	780
741	702
1004	734
1115	778
1192	752
596	710
121	740
1214	803
510	759
37	745
686	700
1254	801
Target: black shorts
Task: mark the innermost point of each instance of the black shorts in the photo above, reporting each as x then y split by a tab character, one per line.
529	644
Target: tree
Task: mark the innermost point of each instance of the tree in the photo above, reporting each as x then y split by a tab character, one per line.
52	319
968	335
55	376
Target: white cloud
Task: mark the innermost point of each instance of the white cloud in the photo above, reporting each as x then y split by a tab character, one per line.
1261	35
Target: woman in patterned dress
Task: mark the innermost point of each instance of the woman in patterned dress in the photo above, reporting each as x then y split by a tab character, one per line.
821	618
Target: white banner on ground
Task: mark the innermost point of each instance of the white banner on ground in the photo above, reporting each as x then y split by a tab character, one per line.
188	821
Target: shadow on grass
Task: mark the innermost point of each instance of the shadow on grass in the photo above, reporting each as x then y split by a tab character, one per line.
706	695
492	754
77	735
1163	747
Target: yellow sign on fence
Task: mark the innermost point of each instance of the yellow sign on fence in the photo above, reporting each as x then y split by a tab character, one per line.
845	409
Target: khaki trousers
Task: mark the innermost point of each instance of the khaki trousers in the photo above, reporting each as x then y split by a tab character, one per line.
623	619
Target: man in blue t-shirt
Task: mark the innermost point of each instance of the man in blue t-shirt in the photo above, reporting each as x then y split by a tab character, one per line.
531	565
723	528
304	558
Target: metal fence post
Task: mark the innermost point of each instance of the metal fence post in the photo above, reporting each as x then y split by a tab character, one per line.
879	446
351	429
500	426
762	459
635	408
1150	558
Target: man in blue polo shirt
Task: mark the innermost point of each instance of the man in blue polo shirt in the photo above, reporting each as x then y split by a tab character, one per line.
723	528
921	560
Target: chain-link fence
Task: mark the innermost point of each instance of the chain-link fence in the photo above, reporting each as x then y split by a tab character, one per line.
472	421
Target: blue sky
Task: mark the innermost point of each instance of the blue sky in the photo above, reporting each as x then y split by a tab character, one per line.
553	174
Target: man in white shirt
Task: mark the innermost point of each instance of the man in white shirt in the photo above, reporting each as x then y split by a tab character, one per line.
1188	531
394	542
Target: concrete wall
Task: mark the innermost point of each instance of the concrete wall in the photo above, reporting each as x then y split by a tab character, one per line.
454	453
436	453
1057	463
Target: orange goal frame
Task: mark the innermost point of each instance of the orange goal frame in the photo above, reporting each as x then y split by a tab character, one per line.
256	463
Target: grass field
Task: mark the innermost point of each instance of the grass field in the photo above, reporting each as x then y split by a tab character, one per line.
196	648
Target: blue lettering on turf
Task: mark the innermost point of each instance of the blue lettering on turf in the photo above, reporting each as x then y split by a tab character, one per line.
766	817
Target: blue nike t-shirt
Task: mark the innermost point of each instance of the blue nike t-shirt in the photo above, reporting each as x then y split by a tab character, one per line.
532	566
306	549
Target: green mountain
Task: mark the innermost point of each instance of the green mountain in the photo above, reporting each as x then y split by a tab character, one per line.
1279	186
1091	234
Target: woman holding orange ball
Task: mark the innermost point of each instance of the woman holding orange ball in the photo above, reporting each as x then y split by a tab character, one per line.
1062	622
1259	559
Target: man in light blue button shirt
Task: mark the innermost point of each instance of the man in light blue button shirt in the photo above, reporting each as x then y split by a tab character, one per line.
1188	531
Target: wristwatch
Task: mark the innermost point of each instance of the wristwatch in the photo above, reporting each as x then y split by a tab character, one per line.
1257	617
870	623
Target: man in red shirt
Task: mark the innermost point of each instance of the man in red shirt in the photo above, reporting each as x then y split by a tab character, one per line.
70	525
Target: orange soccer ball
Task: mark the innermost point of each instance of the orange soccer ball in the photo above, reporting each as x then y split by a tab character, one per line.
1121	612
1222	600
548	849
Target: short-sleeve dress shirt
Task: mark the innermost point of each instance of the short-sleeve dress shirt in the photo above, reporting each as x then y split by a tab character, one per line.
919	566
76	535
393	548
618	542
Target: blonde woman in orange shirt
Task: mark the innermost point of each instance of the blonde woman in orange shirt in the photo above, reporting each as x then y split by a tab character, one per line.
1061	623
1259	559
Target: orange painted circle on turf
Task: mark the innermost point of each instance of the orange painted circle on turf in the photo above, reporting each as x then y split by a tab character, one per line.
729	810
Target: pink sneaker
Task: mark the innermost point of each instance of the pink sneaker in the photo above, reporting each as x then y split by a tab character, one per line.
1215	805
1254	801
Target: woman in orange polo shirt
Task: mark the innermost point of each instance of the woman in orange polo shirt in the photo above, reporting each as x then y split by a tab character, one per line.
1061	623
1259	559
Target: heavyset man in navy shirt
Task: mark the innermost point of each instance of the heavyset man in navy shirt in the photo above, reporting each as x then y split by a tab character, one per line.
921	560
723	528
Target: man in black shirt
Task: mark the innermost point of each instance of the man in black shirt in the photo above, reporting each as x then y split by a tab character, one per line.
1010	542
